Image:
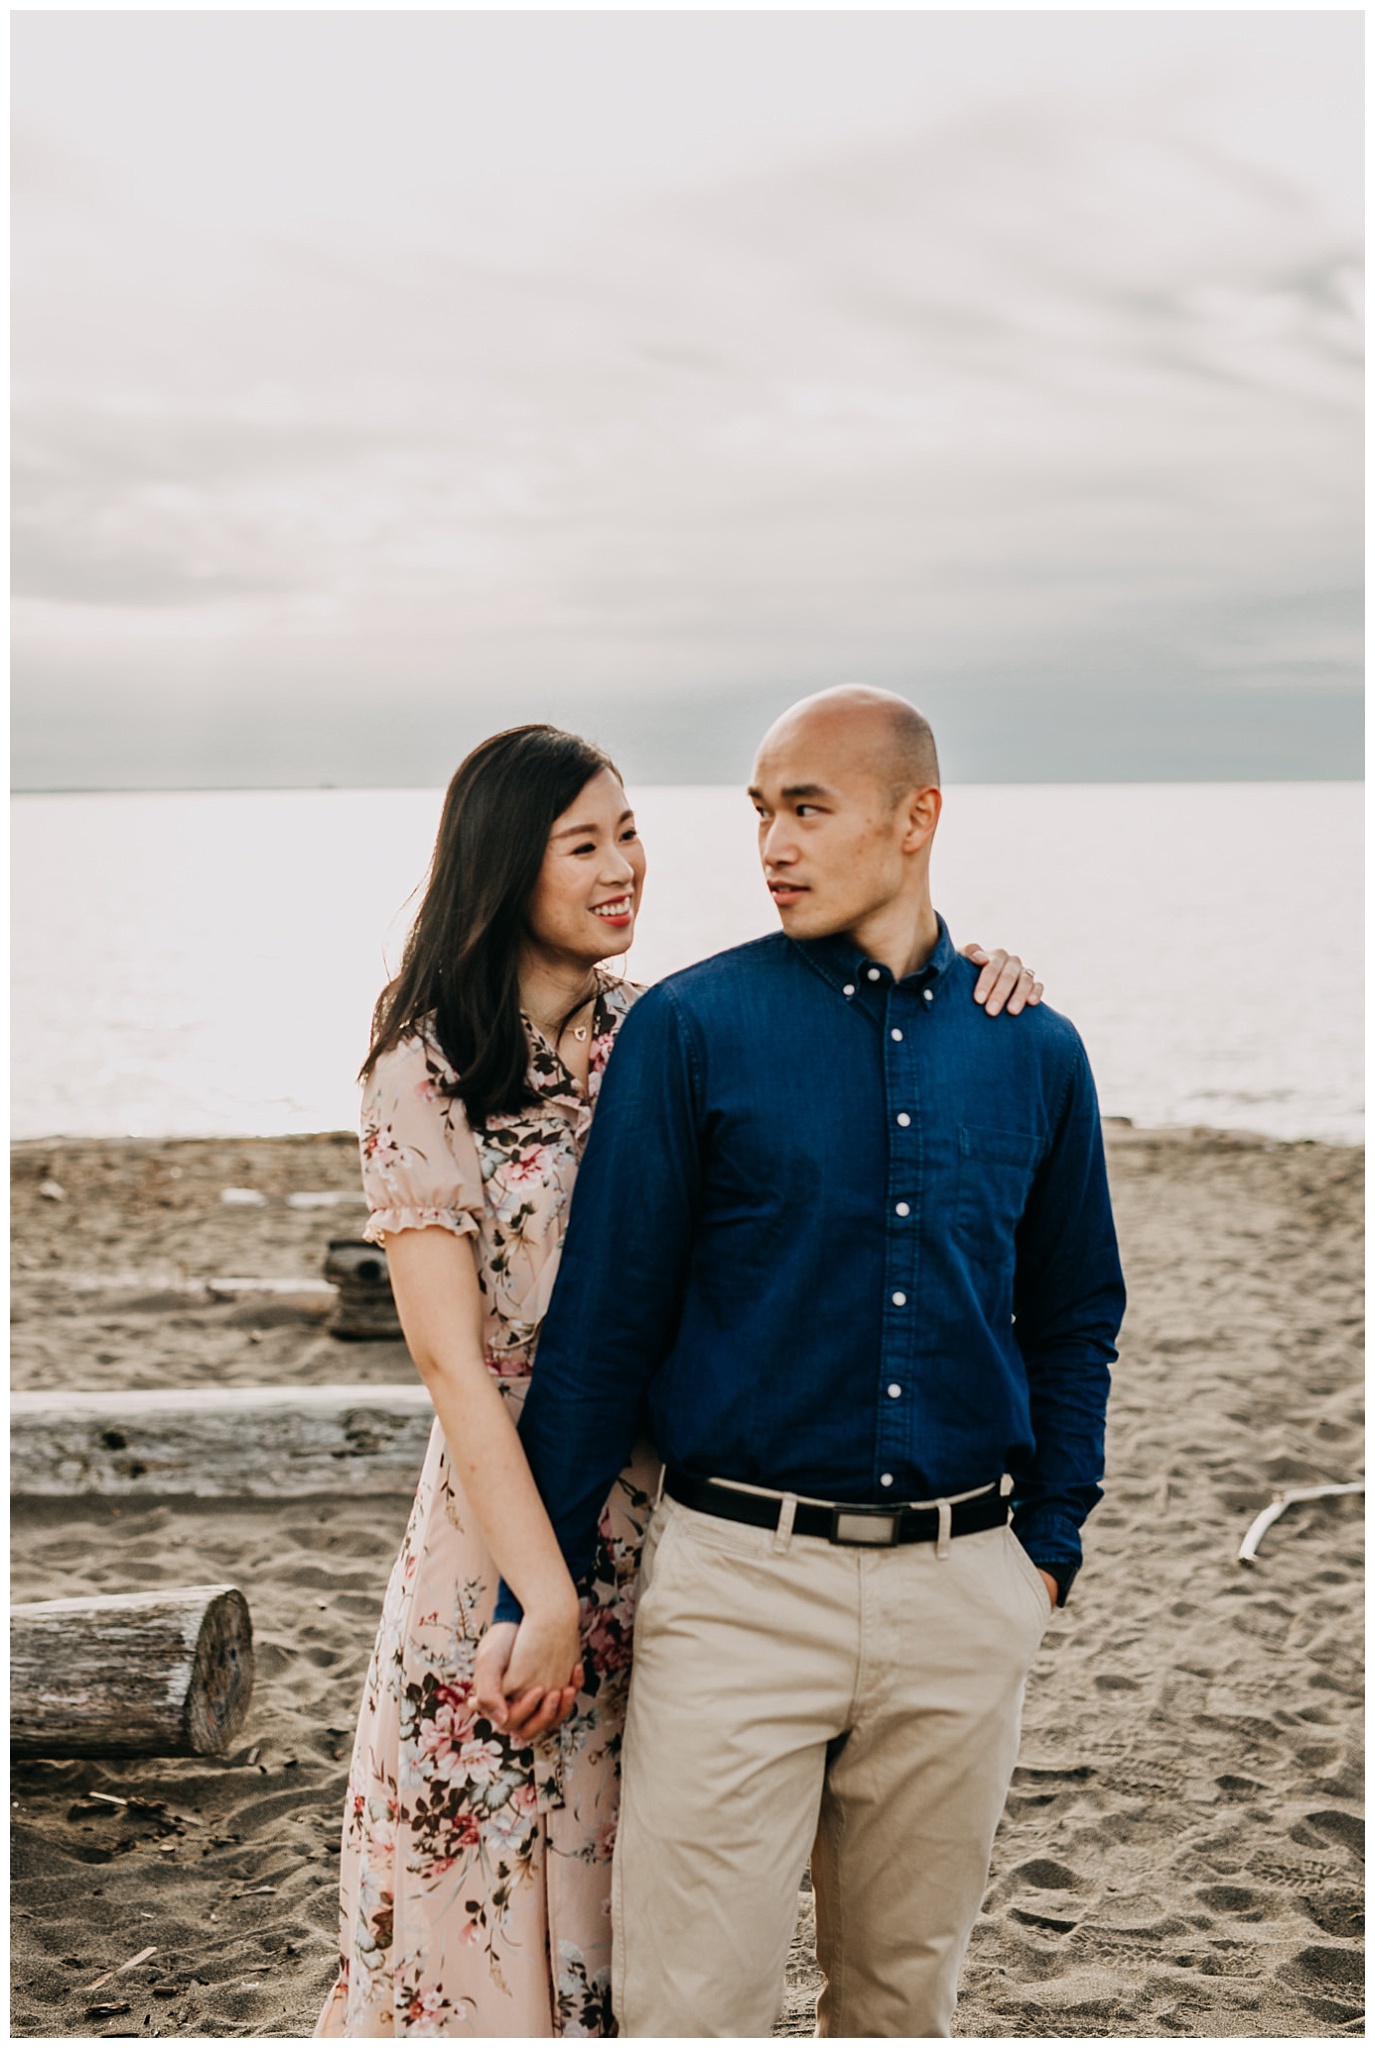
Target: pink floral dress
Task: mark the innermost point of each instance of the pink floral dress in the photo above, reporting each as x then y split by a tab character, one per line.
476	1873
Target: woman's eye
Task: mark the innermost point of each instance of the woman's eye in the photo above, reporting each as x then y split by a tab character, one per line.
589	848
631	834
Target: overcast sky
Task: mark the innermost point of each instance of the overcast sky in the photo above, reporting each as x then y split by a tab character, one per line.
383	378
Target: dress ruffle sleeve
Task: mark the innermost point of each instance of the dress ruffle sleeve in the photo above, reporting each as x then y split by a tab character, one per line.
420	1164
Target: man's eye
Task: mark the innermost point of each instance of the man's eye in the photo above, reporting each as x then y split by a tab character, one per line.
806	810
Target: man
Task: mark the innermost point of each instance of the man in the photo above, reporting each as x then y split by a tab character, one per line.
847	1241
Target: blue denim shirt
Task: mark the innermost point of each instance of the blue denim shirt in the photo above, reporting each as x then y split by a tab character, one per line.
839	1235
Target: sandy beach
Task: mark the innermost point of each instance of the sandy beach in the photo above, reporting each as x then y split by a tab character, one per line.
1181	1852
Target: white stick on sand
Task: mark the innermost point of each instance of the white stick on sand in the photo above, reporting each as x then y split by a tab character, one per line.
1250	1542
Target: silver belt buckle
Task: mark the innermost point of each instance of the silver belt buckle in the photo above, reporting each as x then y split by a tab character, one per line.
876	1527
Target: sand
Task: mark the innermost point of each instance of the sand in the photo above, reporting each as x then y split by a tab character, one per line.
1181	1849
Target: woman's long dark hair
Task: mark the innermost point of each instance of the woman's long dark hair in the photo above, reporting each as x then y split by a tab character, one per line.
460	970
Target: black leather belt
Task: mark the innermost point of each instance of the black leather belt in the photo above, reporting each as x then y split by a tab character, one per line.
839	1521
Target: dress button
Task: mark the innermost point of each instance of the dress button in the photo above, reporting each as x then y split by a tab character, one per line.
894	1391
885	1478
896	1036
848	989
874	974
903	1118
926	995
903	1209
899	1299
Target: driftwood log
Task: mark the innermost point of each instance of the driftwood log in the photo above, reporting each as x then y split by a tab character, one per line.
365	1307
268	1443
168	1673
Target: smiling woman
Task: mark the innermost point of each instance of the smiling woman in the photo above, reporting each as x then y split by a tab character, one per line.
524	897
475	1869
583	904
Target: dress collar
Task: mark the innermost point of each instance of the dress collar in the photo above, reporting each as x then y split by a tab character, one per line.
550	1079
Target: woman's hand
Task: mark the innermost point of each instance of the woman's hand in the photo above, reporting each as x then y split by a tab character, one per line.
1004	981
528	1676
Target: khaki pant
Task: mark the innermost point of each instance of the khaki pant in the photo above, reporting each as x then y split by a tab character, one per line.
860	1705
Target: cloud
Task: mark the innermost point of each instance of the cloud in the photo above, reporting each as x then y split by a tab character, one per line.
1045	386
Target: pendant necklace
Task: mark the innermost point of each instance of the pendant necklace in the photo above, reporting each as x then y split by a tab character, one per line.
578	1031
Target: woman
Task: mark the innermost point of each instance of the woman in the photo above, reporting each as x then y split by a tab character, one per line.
476	1864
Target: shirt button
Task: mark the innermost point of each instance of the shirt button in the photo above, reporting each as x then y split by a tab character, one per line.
899	1300
926	995
848	989
873	974
903	1118
894	1391
885	1478
903	1210
896	1035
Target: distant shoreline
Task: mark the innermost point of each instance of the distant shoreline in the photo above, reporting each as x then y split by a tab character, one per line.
659	782
1115	1130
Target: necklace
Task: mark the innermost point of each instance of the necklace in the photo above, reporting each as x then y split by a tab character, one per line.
553	1033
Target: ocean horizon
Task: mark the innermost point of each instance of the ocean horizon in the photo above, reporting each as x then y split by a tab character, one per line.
204	963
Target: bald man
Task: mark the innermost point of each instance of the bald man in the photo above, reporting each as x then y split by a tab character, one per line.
845	1240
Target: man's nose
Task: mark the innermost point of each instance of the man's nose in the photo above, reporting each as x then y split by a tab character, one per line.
776	842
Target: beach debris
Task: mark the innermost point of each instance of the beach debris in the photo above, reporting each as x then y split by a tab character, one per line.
234	1443
316	1296
327	1198
107	2011
156	1810
366	1308
168	1673
120	1968
243	1198
1250	1542
52	1191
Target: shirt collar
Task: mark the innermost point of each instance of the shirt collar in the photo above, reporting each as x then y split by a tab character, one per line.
842	963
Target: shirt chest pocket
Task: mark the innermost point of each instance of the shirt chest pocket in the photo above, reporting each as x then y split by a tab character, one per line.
996	1169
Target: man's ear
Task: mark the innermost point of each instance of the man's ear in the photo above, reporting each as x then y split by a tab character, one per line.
922	810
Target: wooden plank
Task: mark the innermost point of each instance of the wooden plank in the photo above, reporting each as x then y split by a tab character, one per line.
268	1443
168	1673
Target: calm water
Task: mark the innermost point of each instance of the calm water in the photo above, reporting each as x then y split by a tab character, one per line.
205	964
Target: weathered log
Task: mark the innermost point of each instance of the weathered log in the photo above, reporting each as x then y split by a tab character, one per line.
267	1443
366	1308
168	1673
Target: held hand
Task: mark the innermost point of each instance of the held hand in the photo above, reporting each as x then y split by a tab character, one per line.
527	1678
1052	1587
1004	980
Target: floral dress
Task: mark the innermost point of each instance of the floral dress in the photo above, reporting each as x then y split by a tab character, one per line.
475	1877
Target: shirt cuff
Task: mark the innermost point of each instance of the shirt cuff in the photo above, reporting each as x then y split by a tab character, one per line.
1064	1571
508	1608
1046	1532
